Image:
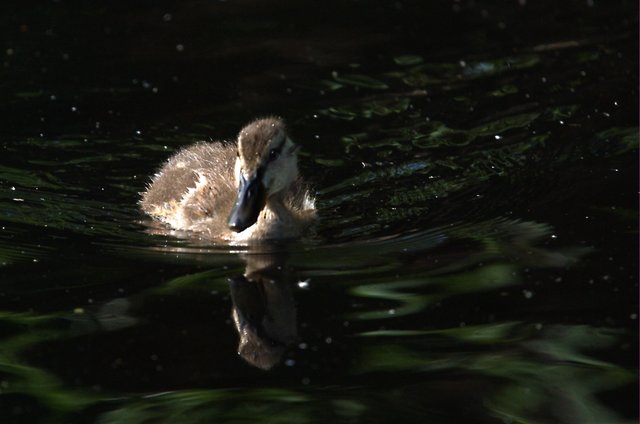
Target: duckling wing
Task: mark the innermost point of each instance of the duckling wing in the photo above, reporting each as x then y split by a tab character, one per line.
195	184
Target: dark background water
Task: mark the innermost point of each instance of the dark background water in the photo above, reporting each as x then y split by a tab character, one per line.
475	165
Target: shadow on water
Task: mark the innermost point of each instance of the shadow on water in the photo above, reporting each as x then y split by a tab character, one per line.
476	193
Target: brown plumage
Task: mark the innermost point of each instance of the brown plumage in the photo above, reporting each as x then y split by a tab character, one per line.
236	192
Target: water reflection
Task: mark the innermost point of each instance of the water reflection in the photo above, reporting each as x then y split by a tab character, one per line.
264	310
164	337
263	307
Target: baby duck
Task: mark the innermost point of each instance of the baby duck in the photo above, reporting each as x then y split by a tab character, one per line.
243	191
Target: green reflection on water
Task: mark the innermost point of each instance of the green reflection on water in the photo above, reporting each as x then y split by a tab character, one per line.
360	80
371	109
266	405
408	60
485	278
543	369
31	384
24	178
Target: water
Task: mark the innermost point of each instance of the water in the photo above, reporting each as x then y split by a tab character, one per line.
475	259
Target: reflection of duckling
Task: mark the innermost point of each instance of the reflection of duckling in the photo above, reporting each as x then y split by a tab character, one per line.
264	311
244	191
265	316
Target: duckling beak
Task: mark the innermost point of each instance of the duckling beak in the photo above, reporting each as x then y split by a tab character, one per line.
250	201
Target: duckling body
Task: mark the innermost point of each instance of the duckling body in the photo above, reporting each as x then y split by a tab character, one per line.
242	191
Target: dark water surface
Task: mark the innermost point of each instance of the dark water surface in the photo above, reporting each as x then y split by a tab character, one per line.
476	257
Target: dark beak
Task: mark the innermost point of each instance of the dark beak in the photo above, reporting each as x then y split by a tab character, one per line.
250	201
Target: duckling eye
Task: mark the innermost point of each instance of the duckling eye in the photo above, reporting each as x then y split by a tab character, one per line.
273	154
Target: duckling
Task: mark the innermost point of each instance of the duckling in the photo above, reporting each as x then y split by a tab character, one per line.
243	191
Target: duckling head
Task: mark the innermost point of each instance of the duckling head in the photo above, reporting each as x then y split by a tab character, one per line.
265	166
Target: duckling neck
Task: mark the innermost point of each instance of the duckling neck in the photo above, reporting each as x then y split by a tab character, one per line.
276	220
275	206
